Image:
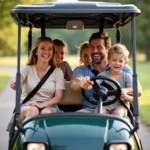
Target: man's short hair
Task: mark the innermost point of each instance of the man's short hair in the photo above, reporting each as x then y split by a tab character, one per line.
100	35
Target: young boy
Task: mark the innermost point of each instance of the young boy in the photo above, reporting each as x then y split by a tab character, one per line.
117	58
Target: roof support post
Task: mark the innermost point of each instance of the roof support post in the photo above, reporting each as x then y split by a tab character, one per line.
29	40
18	81
42	26
118	35
135	91
101	25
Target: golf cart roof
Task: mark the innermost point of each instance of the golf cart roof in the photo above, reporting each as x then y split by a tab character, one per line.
88	14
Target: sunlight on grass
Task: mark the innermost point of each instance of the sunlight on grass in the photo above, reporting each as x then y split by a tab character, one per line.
145	98
144	106
12	61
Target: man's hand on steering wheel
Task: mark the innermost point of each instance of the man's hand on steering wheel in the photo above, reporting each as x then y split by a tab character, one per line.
86	83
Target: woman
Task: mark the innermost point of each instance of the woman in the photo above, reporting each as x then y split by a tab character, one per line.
47	98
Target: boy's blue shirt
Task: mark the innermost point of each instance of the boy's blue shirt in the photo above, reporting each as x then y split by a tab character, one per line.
85	71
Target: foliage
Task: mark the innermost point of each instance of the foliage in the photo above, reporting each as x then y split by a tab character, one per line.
8	36
8	29
72	38
142	26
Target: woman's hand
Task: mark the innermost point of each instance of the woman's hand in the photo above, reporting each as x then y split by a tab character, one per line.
36	104
13	84
32	103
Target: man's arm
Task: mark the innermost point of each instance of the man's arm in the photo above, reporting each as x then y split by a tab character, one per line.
130	90
128	69
75	83
139	88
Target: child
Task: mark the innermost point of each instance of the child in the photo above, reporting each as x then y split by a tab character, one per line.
84	53
117	58
61	51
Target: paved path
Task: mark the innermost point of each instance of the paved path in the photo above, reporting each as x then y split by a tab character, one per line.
7	102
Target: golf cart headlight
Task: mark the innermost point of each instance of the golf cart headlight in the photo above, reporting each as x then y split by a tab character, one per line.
36	146
118	147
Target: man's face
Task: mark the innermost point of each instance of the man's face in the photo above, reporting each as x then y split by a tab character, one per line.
98	50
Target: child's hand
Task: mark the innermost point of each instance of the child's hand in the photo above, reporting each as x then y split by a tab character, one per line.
124	94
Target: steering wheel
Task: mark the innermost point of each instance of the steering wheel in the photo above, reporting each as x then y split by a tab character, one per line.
107	88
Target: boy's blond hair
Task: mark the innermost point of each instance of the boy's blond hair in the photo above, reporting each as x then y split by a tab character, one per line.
119	49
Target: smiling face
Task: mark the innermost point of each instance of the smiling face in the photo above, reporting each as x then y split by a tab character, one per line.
98	51
60	54
85	57
44	52
116	62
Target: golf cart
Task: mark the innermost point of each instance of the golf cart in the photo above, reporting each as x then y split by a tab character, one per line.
72	130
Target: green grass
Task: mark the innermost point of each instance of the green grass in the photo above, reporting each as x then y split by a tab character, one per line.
144	100
144	107
12	61
4	77
142	71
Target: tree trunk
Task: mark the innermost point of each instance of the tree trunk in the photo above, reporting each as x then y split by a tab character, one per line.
148	55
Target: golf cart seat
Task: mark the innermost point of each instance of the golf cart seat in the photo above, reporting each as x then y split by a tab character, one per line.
72	99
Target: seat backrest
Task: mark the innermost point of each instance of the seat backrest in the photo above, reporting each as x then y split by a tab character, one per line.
71	97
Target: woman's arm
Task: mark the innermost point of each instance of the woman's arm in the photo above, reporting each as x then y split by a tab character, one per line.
13	82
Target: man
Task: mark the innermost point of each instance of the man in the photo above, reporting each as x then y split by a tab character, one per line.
100	44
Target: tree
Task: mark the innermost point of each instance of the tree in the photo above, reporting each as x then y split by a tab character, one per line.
8	29
142	26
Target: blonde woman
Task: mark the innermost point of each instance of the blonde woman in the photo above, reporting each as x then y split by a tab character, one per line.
47	98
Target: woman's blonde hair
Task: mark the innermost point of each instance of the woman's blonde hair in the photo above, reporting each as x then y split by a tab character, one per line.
119	49
33	57
83	46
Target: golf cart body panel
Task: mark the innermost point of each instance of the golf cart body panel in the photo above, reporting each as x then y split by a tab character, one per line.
71	131
91	14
